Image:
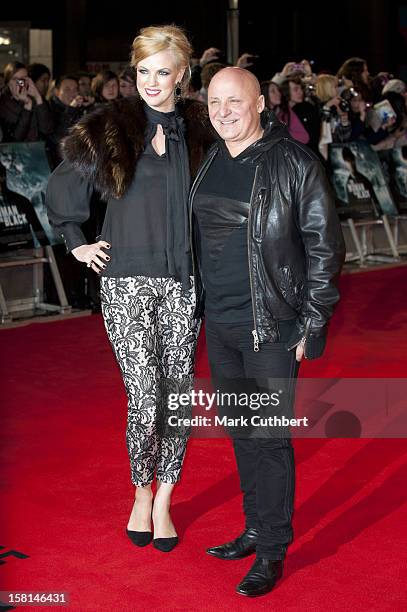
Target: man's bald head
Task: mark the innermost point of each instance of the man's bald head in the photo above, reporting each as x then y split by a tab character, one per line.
235	103
238	76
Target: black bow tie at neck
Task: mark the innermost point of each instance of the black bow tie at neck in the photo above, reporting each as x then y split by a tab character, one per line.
173	129
172	123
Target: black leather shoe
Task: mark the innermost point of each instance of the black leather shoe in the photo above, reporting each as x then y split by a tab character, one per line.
261	578
140	538
241	547
165	544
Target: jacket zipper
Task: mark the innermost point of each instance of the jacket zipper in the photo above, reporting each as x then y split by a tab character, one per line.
304	338
255	335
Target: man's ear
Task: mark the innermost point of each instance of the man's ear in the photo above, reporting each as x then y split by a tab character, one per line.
261	104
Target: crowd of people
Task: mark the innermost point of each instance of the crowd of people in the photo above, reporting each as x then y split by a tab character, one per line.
318	109
323	108
33	107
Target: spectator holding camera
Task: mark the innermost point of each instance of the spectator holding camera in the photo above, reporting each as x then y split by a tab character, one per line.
354	72
292	69
336	126
24	117
278	103
357	112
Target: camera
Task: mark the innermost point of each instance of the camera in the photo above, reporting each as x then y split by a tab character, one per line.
346	97
21	83
298	68
344	106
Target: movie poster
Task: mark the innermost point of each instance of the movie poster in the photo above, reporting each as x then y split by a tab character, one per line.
394	164
360	185
24	173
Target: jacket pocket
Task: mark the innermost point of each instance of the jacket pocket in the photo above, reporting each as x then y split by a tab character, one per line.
258	234
293	292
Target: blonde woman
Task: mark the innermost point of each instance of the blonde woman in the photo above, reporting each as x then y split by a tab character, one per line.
336	126
139	154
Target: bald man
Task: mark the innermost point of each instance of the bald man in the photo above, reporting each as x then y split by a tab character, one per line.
267	248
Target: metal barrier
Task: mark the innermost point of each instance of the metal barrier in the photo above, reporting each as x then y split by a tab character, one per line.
34	302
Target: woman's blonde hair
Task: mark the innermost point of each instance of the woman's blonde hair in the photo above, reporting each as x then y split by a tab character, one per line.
326	87
163	38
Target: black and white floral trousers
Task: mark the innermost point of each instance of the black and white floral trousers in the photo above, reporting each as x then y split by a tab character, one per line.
151	328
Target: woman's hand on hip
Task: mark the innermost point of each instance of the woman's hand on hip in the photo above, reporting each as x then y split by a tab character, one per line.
92	255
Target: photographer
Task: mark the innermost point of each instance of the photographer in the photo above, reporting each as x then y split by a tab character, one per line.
357	112
336	126
24	117
354	72
292	69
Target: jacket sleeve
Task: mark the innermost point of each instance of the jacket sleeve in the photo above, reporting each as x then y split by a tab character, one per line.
44	118
322	237
68	204
16	120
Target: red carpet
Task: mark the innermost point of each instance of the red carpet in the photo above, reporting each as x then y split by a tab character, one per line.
66	493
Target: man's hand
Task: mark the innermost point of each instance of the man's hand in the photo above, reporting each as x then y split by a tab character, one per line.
299	353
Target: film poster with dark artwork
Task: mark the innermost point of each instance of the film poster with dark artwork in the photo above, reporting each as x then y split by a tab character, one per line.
359	182
394	164
24	173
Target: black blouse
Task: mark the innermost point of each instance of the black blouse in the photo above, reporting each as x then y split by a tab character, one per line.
134	225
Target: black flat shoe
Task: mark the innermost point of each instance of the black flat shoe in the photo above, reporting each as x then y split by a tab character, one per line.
240	547
261	578
165	544
140	538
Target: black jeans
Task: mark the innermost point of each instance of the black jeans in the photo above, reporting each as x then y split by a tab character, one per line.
265	461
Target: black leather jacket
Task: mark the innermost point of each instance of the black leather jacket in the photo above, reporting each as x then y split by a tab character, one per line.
295	242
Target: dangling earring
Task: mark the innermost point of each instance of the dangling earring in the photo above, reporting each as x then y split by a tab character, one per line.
177	92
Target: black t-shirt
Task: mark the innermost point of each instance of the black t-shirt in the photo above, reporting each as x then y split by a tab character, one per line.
221	208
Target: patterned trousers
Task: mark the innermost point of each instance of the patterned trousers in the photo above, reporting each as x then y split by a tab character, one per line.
153	334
